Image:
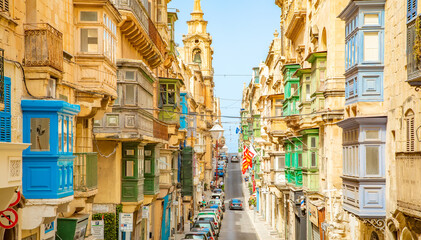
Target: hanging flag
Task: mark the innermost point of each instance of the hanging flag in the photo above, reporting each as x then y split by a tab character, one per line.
247	159
237	130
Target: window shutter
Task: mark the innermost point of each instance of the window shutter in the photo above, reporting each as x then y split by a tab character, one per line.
410	134
411	9
4	5
5	116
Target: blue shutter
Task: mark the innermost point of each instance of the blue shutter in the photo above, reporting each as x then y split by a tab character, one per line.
5	116
411	9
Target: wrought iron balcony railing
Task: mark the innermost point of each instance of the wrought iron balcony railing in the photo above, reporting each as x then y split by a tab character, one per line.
85	175
43	46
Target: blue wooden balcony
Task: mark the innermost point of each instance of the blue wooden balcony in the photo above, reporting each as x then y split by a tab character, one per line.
48	162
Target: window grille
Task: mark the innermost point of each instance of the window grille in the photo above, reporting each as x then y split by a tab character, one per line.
4	5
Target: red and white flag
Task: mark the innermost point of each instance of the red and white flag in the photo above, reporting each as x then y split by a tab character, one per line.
248	155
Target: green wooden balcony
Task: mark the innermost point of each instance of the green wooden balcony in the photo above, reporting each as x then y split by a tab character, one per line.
151	185
85	173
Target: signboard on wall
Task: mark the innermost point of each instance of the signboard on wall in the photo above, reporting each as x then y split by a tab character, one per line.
145	212
97	229
126	222
313	214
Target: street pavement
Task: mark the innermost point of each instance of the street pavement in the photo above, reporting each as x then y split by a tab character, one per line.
236	224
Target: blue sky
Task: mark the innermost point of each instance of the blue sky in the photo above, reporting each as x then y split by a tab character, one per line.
242	31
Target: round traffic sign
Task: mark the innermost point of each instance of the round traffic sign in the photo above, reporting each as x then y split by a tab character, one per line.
8	218
16	199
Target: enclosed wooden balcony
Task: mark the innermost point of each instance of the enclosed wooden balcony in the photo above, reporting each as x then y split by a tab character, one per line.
43	46
408	167
141	32
85	174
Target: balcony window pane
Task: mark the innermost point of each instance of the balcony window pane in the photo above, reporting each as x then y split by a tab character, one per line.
300	160
313	159
89	40
129	169
130	75
130	95
119	95
371	46
40	134
60	133
371	19
307	92
357	161
88	16
148	167
313	142
372	160
65	135
278	111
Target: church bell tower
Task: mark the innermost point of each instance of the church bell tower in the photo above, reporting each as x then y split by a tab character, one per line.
197	42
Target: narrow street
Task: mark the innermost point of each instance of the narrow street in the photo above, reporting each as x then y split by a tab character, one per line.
236	224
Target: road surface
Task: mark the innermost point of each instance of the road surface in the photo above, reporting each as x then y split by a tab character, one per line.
236	224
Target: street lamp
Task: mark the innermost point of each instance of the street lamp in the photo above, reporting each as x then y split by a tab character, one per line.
216	133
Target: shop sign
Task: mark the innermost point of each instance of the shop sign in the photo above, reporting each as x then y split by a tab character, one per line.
126	222
313	214
145	212
97	229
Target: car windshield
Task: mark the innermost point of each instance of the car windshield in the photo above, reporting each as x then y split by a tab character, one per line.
236	201
193	236
217	190
206	218
203	225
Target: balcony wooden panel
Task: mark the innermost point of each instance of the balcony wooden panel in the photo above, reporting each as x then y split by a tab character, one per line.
43	46
160	130
408	167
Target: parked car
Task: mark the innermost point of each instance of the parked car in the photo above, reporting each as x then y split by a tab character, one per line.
196	235
210	213
215	210
236	203
209	217
206	224
220	195
217	190
219	202
208	232
235	159
219	208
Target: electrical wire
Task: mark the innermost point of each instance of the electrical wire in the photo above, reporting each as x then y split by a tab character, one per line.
24	79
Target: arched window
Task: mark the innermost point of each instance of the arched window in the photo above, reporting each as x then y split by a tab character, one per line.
197	56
